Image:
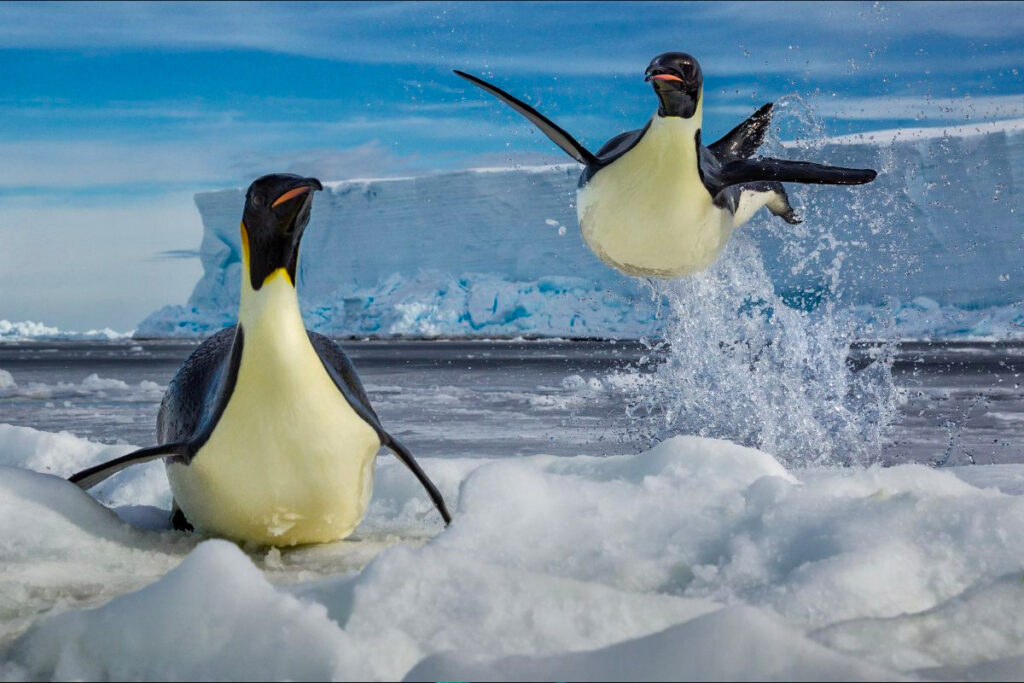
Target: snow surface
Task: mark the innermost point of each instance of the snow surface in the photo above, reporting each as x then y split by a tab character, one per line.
935	243
696	559
92	385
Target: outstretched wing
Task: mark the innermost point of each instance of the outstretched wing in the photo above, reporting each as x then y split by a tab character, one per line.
785	171
735	180
191	406
403	454
742	141
88	478
341	370
568	144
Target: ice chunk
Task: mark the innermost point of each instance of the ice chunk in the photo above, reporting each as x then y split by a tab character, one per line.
213	617
735	644
698	558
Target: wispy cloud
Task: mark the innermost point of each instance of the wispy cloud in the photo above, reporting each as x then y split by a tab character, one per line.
545	38
176	254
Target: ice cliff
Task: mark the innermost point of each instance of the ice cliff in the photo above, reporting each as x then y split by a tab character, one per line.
935	244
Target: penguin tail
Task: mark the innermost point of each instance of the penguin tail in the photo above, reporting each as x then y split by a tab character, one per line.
566	142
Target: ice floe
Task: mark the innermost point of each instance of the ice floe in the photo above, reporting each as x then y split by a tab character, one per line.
696	559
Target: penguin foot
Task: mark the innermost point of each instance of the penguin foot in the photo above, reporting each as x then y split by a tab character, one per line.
179	521
791	217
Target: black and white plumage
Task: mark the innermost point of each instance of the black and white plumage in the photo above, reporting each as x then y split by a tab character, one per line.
657	201
266	431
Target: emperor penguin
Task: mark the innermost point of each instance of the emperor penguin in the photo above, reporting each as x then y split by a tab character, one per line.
656	202
266	432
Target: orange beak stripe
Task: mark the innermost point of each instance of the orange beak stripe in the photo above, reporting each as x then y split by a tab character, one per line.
290	194
667	77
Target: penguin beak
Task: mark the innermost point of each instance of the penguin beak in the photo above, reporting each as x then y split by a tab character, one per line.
293	205
656	72
662	77
290	194
303	187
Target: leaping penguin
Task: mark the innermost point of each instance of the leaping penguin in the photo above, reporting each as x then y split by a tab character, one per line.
266	432
655	201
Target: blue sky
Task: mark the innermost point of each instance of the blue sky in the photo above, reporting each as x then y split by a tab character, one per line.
113	115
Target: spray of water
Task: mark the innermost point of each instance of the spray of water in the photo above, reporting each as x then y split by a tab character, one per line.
744	363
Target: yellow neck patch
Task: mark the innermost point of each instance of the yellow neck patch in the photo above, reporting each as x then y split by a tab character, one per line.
245	246
279	273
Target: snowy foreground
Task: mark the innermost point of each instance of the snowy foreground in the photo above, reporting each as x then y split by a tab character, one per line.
696	559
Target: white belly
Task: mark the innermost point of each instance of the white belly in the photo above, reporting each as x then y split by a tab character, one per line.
289	461
648	212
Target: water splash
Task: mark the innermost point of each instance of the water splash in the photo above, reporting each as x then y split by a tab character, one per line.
766	364
742	365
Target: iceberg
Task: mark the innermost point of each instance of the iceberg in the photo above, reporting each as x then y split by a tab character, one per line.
934	246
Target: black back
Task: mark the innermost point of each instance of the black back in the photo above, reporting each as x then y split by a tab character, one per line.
612	150
341	370
200	390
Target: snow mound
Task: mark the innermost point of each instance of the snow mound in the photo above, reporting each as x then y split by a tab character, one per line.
696	559
733	644
213	617
64	454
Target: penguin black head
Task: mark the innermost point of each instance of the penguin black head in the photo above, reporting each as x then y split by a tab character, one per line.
276	213
677	80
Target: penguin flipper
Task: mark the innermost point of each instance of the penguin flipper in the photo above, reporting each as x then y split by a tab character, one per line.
341	370
88	478
403	454
784	171
345	377
558	136
743	140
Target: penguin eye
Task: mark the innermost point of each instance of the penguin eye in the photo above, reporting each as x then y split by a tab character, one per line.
257	200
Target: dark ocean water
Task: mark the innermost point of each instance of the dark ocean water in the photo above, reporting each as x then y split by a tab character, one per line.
964	401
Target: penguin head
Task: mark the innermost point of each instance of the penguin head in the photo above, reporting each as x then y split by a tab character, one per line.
276	213
677	81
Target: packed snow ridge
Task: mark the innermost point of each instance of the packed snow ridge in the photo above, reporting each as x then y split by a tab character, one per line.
934	242
697	559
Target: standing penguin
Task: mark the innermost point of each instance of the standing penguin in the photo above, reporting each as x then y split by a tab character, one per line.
266	431
655	201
